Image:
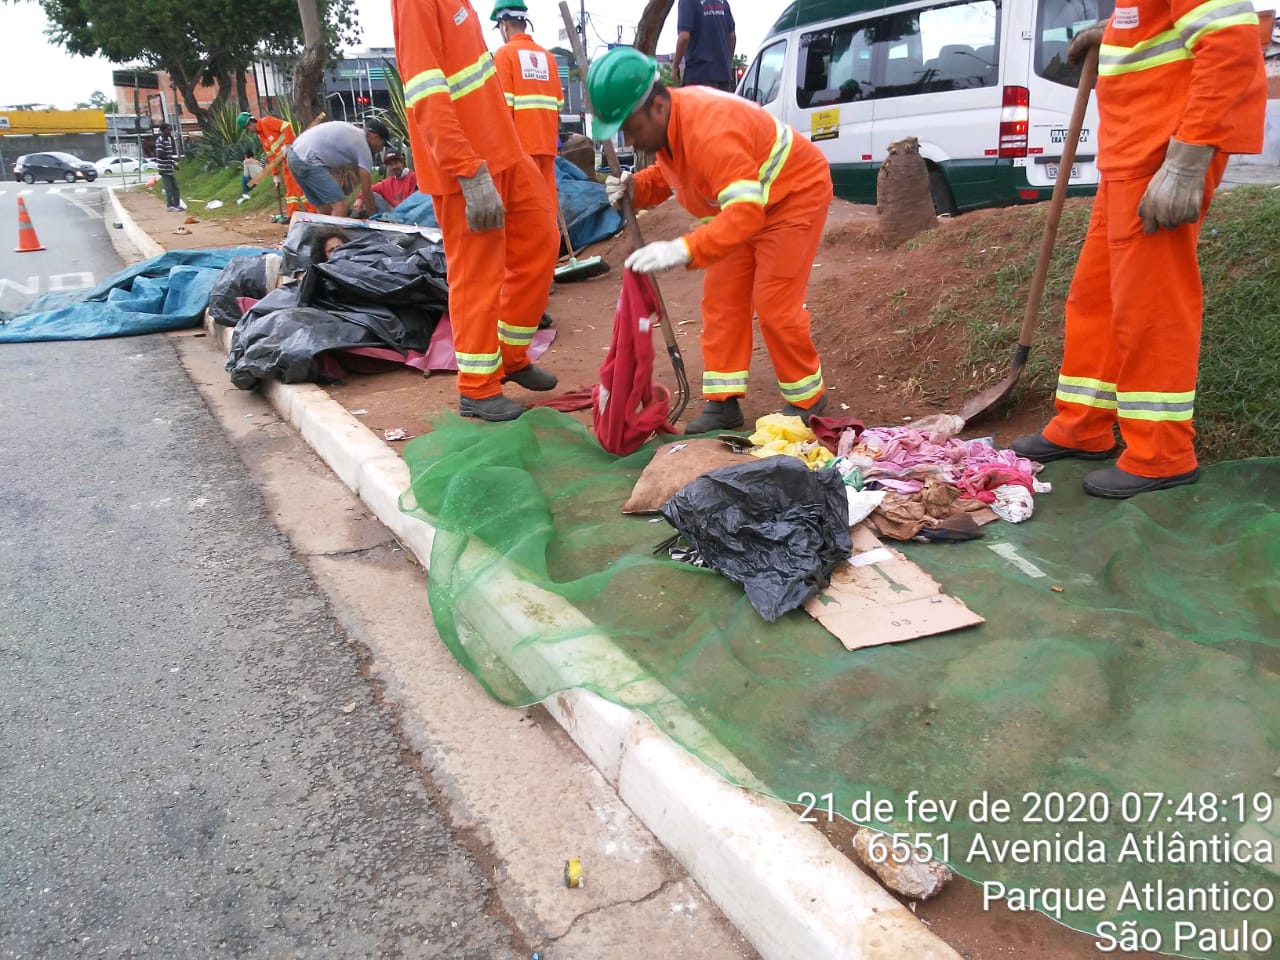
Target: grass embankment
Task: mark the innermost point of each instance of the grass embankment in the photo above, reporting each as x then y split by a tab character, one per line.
199	186
1238	396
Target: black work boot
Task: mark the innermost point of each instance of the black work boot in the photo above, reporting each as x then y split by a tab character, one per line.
1112	483
495	408
532	378
1035	447
716	415
791	410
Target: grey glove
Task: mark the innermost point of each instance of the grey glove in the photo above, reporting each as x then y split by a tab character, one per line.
484	205
1084	41
1176	192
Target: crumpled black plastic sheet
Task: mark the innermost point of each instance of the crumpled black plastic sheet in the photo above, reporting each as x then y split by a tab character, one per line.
774	526
378	289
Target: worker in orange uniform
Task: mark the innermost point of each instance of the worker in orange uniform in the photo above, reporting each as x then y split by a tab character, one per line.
1181	85
530	78
275	135
763	192
491	202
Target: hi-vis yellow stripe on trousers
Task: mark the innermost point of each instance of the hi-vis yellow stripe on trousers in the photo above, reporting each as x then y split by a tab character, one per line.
1086	391
722	383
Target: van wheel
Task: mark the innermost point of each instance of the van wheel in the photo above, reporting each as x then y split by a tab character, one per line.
940	190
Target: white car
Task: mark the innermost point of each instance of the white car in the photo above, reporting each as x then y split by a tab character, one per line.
122	165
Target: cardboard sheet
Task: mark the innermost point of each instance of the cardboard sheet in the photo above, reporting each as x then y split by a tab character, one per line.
882	597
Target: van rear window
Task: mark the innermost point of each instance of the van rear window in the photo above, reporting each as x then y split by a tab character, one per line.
1056	23
951	46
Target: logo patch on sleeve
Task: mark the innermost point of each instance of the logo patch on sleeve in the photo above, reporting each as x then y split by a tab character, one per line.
1125	18
534	66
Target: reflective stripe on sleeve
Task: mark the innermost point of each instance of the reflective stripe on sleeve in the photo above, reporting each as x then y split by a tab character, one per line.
423	85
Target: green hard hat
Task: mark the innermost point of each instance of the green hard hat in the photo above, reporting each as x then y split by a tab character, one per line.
509	6
617	83
243	119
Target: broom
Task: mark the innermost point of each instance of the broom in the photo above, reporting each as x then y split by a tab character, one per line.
576	269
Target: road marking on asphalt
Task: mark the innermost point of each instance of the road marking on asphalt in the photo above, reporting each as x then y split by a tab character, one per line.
71	281
31	289
55	190
82	189
23	193
85	209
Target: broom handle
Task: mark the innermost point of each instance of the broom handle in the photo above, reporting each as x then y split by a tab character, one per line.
611	158
564	228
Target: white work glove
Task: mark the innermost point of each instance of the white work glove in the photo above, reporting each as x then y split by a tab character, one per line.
1084	41
660	255
276	179
618	188
484	206
1176	192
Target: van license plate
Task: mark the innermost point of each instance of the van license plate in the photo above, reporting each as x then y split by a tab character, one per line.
1052	170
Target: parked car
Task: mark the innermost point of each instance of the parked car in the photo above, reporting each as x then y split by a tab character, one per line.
122	165
985	87
53	166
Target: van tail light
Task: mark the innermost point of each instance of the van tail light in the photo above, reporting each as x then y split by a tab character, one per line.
1014	118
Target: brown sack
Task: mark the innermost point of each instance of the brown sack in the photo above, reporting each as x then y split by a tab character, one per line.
676	464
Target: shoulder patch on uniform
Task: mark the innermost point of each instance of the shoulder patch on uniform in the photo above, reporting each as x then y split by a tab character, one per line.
1125	18
533	65
460	16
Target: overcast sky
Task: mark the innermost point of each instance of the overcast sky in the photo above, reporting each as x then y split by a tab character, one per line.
33	70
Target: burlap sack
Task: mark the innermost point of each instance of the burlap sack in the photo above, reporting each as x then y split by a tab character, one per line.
674	465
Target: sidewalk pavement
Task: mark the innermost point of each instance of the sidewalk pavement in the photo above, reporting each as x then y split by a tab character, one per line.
779	881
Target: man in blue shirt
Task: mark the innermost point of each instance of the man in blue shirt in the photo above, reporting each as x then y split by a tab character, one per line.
704	46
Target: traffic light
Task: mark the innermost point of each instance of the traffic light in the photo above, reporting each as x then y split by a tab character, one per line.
738	72
362	101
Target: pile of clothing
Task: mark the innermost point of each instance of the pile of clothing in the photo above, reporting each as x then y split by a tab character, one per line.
918	481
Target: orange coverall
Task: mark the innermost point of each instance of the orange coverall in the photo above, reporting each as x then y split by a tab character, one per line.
530	77
1167	68
763	191
275	135
459	119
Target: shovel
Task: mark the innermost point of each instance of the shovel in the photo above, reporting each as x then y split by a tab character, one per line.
681	399
981	404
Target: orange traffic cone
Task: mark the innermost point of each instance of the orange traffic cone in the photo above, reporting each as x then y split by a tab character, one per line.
27	239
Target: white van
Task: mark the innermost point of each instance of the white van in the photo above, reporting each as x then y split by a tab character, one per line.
983	84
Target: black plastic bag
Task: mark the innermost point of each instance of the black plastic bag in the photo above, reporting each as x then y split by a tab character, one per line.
241	277
774	526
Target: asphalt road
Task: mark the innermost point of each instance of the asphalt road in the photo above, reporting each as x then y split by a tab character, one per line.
68	220
191	763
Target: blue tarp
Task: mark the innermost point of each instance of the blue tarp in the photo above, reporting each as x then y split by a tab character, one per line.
167	292
582	200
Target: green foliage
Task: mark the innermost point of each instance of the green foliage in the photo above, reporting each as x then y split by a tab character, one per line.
199	186
397	118
210	43
223	143
1238	395
97	101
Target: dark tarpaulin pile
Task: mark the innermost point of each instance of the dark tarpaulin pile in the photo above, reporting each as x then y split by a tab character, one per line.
167	292
582	201
379	289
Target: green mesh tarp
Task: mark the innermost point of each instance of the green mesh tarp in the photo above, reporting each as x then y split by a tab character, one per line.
1130	721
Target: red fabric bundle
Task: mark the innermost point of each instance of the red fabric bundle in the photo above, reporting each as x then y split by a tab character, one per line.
629	407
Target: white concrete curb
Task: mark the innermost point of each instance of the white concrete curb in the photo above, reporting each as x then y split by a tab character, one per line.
778	881
137	236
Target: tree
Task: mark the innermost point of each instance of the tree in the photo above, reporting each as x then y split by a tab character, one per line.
652	18
212	43
97	101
